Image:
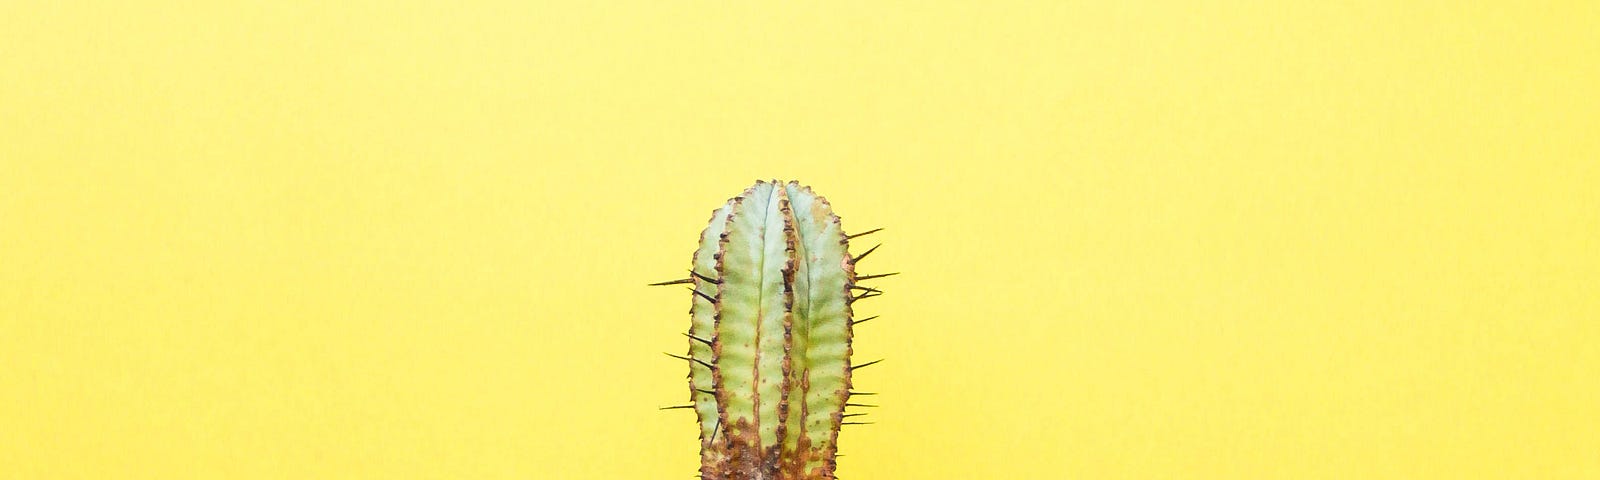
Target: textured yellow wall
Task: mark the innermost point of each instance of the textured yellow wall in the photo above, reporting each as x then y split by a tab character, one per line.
387	240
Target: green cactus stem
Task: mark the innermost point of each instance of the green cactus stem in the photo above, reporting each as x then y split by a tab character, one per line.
769	341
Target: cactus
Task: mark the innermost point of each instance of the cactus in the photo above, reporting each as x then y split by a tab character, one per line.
769	339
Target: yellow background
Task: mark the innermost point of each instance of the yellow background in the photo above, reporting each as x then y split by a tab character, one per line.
399	240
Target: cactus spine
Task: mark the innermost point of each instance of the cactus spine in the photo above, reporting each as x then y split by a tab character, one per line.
769	340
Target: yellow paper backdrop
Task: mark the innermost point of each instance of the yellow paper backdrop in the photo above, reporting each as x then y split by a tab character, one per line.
386	240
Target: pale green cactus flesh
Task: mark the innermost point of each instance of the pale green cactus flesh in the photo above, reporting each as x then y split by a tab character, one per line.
769	348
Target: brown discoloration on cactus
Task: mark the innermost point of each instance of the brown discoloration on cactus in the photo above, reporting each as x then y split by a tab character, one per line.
773	452
734	461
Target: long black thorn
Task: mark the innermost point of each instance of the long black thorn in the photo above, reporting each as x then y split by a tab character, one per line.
703	277
703	295
862	393
855	423
677	407
858	405
708	392
864	320
858	258
673	282
866	289
881	275
865	296
868	232
864	365
697	339
848	415
692	359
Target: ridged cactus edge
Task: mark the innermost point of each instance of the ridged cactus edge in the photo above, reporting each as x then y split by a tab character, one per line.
770	334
